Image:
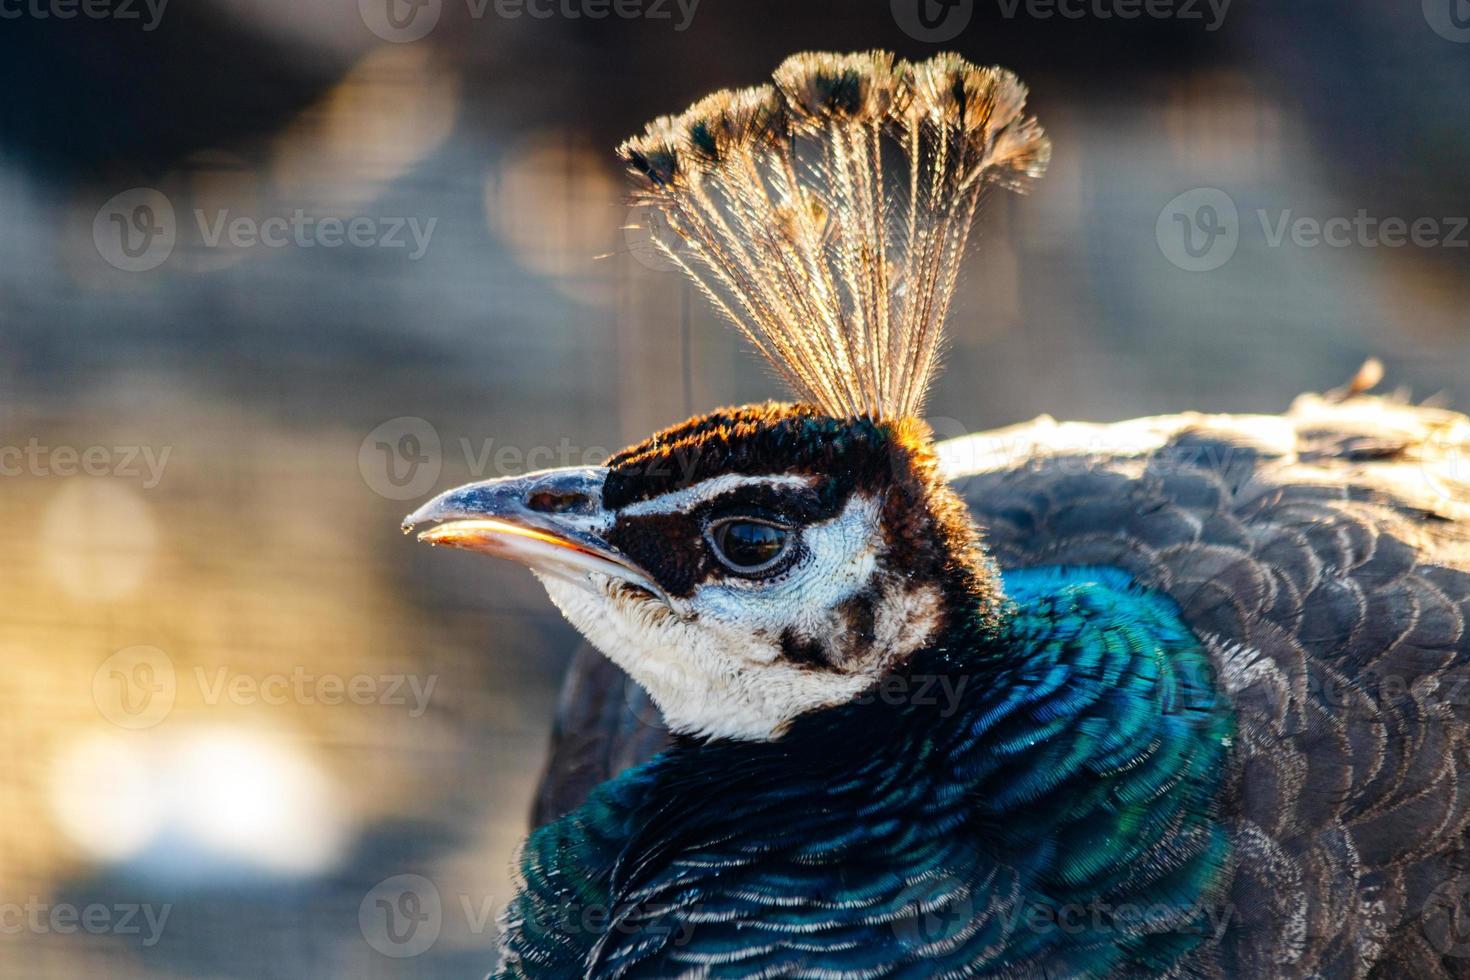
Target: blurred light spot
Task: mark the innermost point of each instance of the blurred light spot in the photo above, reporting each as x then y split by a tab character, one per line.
1220	124
392	109
105	797
332	25
242	797
251	797
557	205
97	539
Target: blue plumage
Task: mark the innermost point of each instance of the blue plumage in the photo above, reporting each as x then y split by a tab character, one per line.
1058	814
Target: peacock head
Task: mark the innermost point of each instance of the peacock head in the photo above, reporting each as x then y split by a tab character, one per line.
745	567
760	563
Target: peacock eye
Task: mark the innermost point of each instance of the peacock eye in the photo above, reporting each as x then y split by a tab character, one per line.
747	545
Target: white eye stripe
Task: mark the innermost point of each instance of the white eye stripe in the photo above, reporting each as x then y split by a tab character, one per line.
679	501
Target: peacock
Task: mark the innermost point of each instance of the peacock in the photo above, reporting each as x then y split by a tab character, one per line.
1179	697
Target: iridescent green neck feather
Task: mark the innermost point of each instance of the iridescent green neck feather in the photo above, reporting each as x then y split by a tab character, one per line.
1041	799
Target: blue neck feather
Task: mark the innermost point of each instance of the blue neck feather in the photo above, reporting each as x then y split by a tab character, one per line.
1038	800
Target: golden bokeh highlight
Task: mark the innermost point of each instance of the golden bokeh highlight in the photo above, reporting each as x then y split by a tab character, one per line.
97	539
558	204
184	676
392	109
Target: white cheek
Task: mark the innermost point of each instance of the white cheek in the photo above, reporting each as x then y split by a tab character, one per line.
714	663
678	663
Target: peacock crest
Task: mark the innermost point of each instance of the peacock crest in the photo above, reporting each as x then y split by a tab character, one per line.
826	214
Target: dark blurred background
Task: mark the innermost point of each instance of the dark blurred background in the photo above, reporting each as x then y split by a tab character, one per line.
272	271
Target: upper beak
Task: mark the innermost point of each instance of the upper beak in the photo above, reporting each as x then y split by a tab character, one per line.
551	521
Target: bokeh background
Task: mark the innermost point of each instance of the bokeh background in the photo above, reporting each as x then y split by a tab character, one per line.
272	271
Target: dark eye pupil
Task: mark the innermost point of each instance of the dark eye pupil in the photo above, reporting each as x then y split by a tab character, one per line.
747	544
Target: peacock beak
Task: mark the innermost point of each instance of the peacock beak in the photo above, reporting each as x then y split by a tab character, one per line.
552	521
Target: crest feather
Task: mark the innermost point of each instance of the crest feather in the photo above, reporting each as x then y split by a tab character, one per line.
826	214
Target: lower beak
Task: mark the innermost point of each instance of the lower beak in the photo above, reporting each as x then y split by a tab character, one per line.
552	522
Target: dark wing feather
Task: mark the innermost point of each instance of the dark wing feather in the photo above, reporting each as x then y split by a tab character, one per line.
604	724
1323	557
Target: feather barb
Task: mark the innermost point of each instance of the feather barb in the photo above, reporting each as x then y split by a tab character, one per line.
826	214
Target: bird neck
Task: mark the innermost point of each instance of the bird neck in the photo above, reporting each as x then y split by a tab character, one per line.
1068	760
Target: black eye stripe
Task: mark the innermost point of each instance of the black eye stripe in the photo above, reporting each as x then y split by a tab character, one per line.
670	547
793	505
673	548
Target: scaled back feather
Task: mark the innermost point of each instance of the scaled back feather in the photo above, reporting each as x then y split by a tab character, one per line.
826	215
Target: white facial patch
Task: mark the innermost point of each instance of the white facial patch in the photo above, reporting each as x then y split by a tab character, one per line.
714	661
841	557
683	501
